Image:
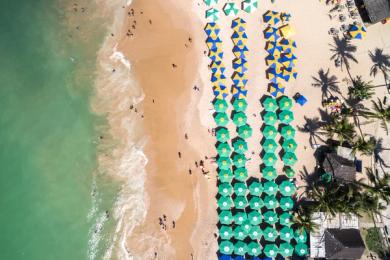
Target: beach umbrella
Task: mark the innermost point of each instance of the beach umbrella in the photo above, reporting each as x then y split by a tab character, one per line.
271	250
289	172
254	249
225	217
225	189
300	236
286	117
271	17
239	92
225	176
289	73
269	159
273	48
301	249
240	248
222	134
270	202
249	6
240	105
270	234
240	146
238	25
226	247
240	189
286	234
239	118
276	89
270	187
256	203
239	160
239	233
217	67
271	59
210	2
270	217
271	34
357	31
239	38
240	217
245	131
224	203
225	232
214	43
224	163
270	118
255	232
240	65
224	149
254	217
255	188
286	250
220	93
289	159
269	173
225	257
218	77
220	105
287	45
240	51
273	75
270	131
216	55
230	9
269	146
212	14
285	17
221	119
289	145
239	80
247	226
241	174
270	104
288	63
240	202
287	31
286	203
285	219
212	28
288	132
285	103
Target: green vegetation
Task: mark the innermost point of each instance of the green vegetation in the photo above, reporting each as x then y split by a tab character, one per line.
374	241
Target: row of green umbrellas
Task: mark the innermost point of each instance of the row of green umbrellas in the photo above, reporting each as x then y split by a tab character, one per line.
221	105
271	105
285	117
270	132
269	202
288	158
226	218
286	188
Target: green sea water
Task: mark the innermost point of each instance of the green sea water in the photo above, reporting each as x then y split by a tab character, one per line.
47	136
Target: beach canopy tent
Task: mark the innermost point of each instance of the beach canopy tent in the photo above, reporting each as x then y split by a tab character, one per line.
271	250
301	100
285	219
286	117
289	159
255	232
225	232
249	6
254	249
240	202
289	145
276	89
226	247
256	203
225	189
289	172
270	202
239	38
239	118
270	104
255	188
239	92
240	51
240	248
269	159
240	65
225	217
269	146
269	131
288	132
210	2
240	189
287	31
271	218
221	119
270	234
225	176
270	118
240	174
230	9
269	173
240	217
286	249
301	249
357	31
245	131
224	163
286	234
239	233
240	146
286	203
300	236
220	105
271	17
224	149
271	34
238	25
239	160
212	14
240	104
254	217
225	203
270	188
285	103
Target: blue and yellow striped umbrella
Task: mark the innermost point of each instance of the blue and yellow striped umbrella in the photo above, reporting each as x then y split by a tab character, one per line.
273	49
271	34
239	80
214	44
287	45
239	38
240	51
239	92
238	25
288	60
212	29
216	55
289	73
217	67
357	31
271	17
276	89
218	77
220	91
240	65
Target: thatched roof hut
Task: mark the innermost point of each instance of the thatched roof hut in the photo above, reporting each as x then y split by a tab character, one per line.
340	167
374	11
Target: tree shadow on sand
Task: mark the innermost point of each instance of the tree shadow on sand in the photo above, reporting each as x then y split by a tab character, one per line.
343	51
381	63
327	83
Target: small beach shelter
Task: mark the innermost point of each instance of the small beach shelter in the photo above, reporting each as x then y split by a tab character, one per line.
225	232
300	236
270	131
240	65
224	163
249	6
221	119
240	51
270	104
239	119
230	9
224	203
239	233
240	174
301	100
210	2
256	203
270	118
254	217
240	217
255	232
290	173
288	132
271	17
240	248
270	202
240	105
289	159
212	14
285	219
357	31
220	105
239	160
301	249
270	187
270	234
245	131
287	31
289	145
271	34
285	103
239	38
224	149
240	202
286	234
276	89
286	203
269	173
286	117
254	249
240	146
269	146
239	79
238	25
255	188
226	247
286	250
240	189
239	92
225	176
225	189
222	134
269	159
271	250
225	217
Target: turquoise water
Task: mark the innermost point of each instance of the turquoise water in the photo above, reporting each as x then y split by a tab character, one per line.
47	137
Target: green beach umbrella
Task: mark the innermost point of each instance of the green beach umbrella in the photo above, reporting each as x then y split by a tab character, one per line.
225	217
239	119
224	149
271	250
246	226
285	103
240	105
289	145
301	249
225	232
210	2
290	173
269	146
286	250
220	105
224	163
225	189
286	203
212	14
245	131
287	188
254	217
239	233
226	247
255	233
224	203
269	159
240	174
225	176
286	117
254	249
239	160
249	6
230	9
285	219
240	248
255	188
270	187
270	202
222	135
240	146
288	132
270	118
221	119
270	132
240	217
270	234
240	189
256	203
240	202
270	217
286	234
269	173
270	104
300	236
289	159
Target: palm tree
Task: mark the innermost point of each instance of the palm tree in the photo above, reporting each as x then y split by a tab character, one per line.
381	63
380	112
360	90
344	130
365	147
343	51
379	185
326	83
312	126
302	219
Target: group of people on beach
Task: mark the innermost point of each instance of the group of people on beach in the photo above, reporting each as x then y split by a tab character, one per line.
163	222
